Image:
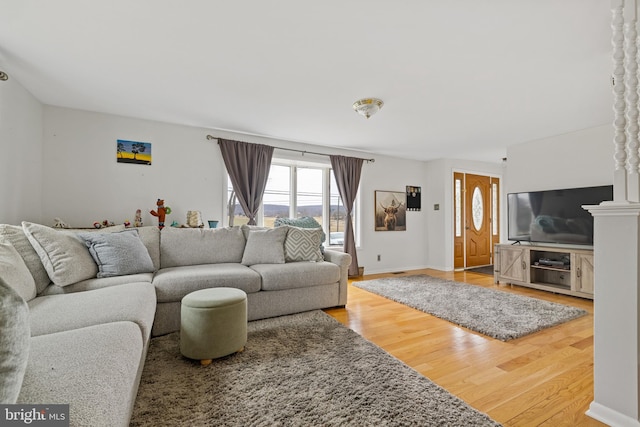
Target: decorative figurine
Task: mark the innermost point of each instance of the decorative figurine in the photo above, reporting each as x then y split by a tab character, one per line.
161	213
58	223
194	219
138	220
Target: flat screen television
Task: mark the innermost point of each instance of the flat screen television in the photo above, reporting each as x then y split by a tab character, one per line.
554	216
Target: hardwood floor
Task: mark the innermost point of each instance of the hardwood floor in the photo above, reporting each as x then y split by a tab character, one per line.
544	379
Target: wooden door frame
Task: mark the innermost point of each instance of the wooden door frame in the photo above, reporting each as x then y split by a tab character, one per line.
495	233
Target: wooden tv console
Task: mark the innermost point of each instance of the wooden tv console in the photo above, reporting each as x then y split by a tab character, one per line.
562	270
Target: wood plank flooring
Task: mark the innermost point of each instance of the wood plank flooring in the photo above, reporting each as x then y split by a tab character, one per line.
544	379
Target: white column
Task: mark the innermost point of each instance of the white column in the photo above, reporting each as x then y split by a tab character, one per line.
619	121
631	99
616	306
616	355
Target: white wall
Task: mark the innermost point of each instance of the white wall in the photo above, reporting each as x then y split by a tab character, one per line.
84	183
21	158
577	159
439	191
398	250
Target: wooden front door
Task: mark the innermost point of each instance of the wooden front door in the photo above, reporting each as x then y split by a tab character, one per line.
476	201
477	220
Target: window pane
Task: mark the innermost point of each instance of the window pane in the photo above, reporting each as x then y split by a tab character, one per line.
309	193
276	194
337	214
235	213
494	208
458	203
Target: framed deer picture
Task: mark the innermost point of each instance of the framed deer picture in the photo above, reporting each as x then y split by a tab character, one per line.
390	210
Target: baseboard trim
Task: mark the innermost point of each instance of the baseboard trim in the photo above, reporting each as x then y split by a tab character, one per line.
610	417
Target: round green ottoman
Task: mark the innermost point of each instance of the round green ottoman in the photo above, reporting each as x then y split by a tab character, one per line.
213	323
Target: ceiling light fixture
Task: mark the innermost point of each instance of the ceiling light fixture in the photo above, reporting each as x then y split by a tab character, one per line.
3	76
368	107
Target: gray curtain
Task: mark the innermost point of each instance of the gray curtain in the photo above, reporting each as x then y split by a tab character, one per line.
248	167
347	173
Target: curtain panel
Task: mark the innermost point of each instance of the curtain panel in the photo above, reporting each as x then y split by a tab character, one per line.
248	167
347	172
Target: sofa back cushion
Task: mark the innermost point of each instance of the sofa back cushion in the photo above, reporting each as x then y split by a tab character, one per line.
15	273
14	234
14	343
63	253
193	246
150	236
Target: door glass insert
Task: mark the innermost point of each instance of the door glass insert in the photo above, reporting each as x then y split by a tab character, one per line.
494	208
458	204
477	208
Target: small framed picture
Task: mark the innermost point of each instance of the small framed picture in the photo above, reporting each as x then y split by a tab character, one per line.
137	153
413	198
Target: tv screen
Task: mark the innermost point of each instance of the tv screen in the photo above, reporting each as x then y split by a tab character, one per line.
554	216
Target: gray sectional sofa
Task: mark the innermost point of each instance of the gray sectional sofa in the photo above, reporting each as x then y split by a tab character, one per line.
95	298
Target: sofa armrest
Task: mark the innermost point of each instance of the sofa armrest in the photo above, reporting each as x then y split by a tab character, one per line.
342	260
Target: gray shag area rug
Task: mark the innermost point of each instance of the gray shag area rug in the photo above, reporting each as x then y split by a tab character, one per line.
498	314
301	370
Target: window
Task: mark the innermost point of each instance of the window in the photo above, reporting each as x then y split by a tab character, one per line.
295	191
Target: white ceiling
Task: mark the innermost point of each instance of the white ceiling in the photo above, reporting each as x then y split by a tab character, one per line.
460	79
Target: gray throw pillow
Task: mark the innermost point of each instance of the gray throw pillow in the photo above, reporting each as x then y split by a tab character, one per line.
14	343
302	244
118	254
15	273
265	246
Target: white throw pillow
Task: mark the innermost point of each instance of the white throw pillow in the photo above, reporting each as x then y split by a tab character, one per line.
15	273
265	246
15	235
14	343
63	254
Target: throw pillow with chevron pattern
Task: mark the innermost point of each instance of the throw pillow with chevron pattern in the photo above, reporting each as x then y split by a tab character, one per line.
302	244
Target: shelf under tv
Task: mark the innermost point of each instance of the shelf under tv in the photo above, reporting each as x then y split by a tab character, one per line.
517	265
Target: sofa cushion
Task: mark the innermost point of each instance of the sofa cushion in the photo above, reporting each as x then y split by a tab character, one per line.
15	235
174	283
135	302
14	342
297	275
64	255
302	244
118	254
194	246
265	246
95	283
15	273
94	369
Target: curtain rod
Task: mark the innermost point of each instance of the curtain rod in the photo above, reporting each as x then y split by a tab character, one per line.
210	137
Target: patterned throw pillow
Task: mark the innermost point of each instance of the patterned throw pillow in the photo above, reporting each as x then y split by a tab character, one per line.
303	222
303	244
